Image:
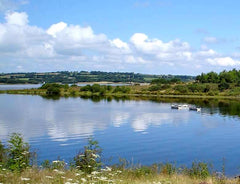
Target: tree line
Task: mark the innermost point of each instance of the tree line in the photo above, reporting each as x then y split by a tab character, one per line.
232	76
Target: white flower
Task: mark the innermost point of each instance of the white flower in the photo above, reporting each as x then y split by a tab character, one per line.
56	161
25	179
83	179
95	172
50	177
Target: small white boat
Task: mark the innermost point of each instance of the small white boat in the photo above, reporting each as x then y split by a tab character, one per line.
198	109
176	106
184	106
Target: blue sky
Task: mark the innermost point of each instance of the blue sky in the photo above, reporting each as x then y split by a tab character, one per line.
145	36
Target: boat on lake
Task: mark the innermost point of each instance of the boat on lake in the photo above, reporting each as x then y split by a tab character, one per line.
175	106
191	108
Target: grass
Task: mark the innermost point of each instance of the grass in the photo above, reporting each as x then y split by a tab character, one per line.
138	91
107	175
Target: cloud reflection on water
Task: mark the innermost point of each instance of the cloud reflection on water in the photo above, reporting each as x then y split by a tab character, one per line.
73	118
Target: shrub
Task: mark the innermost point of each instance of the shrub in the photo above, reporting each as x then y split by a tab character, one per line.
168	169
89	159
53	90
154	88
86	88
122	89
181	88
199	170
96	88
18	155
223	85
47	85
2	152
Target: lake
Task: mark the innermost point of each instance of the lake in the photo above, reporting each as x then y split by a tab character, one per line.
143	131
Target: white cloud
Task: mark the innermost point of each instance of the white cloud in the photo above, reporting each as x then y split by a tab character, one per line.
16	18
120	44
73	47
55	28
206	53
223	61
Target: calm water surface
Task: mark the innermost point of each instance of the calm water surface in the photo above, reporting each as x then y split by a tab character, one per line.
144	131
19	86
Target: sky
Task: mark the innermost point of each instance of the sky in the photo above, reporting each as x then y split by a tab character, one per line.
142	36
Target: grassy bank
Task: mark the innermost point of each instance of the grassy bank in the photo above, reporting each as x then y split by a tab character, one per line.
105	176
186	90
18	165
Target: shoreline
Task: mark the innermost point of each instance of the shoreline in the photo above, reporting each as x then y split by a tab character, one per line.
86	94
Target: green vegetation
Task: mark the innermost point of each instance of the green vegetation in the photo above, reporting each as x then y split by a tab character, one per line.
16	157
225	84
83	76
89	160
88	168
232	76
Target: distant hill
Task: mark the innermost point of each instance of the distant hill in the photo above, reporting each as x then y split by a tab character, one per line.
84	76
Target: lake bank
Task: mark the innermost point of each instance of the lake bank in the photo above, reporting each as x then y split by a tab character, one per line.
126	176
132	94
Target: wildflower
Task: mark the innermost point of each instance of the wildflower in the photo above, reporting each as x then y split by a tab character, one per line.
95	172
56	161
50	177
103	178
25	179
25	152
83	180
95	155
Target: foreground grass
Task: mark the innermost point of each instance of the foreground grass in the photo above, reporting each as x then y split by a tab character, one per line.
103	176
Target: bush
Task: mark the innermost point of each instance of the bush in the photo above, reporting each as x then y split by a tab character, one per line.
199	170
155	88
181	88
53	90
47	85
86	88
168	169
223	85
18	155
96	88
89	159
2	152
121	89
